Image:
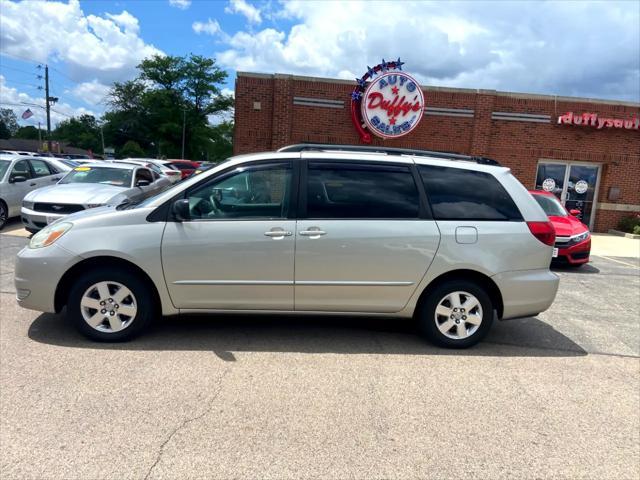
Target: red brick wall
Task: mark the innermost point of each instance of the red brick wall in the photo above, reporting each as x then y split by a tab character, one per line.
518	145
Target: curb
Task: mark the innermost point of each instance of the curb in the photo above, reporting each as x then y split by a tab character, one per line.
623	234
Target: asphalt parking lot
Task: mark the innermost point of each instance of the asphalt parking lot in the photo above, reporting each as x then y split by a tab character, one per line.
557	396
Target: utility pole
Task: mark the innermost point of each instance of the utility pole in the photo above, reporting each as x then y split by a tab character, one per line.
184	125
102	136
39	137
48	107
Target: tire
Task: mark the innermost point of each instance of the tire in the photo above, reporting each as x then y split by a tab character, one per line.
444	296
4	214
129	314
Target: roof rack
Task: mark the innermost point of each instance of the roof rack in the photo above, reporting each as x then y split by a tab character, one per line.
301	147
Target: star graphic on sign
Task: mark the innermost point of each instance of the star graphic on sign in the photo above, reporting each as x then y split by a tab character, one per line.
395	90
392	121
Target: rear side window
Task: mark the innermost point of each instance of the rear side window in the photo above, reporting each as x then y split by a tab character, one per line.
458	194
40	168
361	191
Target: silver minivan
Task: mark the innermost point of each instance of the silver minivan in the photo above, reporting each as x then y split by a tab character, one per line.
450	240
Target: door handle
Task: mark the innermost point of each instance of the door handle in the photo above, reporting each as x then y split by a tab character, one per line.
277	233
32	184
55	179
312	233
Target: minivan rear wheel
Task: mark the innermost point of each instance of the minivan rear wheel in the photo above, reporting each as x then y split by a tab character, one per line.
456	314
110	305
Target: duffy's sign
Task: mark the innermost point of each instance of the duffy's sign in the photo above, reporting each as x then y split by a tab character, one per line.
390	105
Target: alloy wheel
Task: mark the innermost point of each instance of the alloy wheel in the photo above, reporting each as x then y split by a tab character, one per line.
3	215
108	306
458	315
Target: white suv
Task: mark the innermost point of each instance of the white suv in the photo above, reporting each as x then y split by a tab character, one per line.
450	240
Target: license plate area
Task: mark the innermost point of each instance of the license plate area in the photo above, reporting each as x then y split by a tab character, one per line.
555	253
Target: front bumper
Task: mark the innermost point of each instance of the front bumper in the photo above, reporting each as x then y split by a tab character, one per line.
526	292
38	220
575	254
37	274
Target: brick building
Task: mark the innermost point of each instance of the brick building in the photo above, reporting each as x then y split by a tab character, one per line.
531	134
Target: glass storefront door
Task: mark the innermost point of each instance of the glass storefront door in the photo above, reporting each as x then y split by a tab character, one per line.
575	184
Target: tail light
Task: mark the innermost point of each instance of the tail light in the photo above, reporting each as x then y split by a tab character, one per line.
543	231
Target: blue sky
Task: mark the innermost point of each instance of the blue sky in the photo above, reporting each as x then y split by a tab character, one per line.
589	49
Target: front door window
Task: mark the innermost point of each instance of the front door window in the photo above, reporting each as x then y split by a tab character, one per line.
573	184
581	190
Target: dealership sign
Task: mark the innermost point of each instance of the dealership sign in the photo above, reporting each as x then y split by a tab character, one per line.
595	121
389	105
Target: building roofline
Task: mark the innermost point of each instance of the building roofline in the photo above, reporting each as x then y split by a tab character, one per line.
529	96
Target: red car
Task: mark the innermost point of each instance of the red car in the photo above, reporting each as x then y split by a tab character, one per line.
186	167
573	240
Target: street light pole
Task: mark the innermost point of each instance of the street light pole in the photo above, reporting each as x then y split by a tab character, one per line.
184	125
48	106
102	137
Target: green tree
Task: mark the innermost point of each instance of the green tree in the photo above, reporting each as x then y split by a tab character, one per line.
168	93
29	132
81	132
131	149
8	123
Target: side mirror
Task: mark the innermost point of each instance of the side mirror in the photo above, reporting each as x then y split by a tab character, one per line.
180	209
575	212
143	183
17	179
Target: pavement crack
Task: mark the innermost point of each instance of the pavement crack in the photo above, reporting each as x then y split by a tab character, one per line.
187	422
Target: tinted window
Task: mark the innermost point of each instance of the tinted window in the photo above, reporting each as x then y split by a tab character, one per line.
457	194
21	169
258	192
358	191
143	174
181	166
550	205
4	166
40	168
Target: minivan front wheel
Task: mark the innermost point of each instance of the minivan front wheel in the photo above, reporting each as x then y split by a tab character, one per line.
456	314
110	304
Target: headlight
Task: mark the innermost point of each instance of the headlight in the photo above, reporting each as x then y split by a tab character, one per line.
27	204
579	238
94	205
49	235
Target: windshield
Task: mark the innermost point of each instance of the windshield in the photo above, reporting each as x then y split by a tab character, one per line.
119	177
551	205
69	163
4	165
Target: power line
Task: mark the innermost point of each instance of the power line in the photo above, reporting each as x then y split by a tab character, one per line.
19	57
64	75
18	70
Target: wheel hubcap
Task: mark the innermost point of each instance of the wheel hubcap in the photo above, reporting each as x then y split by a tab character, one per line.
108	306
458	315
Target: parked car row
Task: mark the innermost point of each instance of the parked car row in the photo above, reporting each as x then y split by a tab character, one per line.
44	189
90	185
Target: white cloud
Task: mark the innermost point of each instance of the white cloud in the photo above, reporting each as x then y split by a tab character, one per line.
181	4
18	101
251	13
210	27
91	46
544	47
125	20
91	93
